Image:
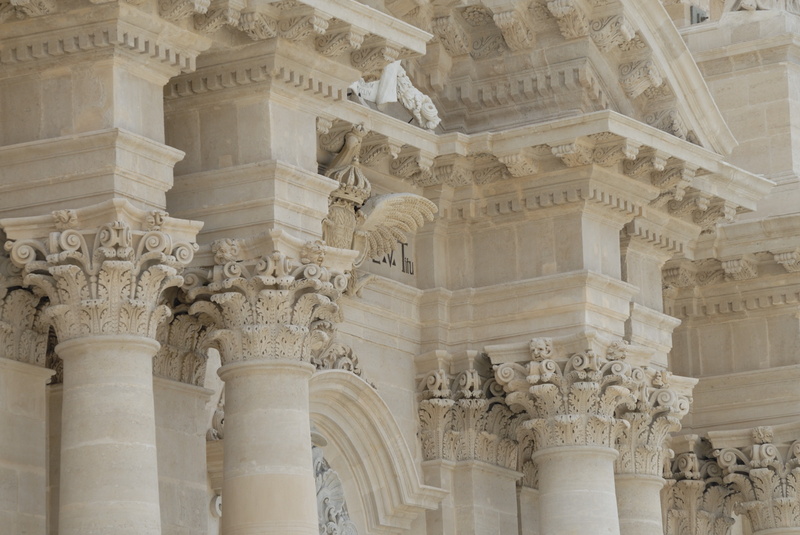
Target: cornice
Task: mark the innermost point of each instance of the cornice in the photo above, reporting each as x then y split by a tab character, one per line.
116	25
676	62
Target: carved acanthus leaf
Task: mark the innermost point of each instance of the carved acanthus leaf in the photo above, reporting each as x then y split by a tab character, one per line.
106	280
216	18
517	28
743	268
611	31
452	36
373	56
273	308
182	356
572	20
572	402
790	260
178	9
574	154
520	163
23	334
766	478
637	76
339	39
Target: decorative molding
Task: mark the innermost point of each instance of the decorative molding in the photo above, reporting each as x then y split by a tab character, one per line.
373	55
519	164
638	76
696	501
177	9
739	269
23	334
790	260
339	39
26	8
89	37
464	418
643	445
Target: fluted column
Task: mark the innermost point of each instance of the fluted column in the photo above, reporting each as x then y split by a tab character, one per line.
765	474
268	315
571	404
105	269
662	402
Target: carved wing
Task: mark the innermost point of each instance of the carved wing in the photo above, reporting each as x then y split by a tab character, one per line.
389	218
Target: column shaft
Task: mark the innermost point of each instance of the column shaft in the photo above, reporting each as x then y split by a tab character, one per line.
639	503
268	483
109	472
576	490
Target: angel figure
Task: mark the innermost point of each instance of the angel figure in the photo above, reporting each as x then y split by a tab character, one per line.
370	224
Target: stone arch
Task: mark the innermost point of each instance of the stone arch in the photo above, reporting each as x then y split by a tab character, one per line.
375	462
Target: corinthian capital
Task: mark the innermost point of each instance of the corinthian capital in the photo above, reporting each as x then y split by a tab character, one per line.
572	402
23	336
105	272
662	402
766	477
271	308
696	501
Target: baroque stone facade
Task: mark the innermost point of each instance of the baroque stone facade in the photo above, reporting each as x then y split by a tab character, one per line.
399	266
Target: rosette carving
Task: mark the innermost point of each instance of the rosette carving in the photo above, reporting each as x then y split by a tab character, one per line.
275	308
106	280
766	479
657	413
572	402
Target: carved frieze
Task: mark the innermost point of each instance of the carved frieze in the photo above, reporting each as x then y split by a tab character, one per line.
612	31
452	36
517	28
637	76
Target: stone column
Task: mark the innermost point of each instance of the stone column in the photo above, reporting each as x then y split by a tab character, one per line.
662	402
105	283
765	474
570	406
268	315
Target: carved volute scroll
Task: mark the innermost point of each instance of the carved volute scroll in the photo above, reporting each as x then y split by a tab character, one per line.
766	479
574	401
463	418
696	501
657	413
108	278
272	308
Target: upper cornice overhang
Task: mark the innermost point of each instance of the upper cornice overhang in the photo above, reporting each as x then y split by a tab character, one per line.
713	176
677	65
